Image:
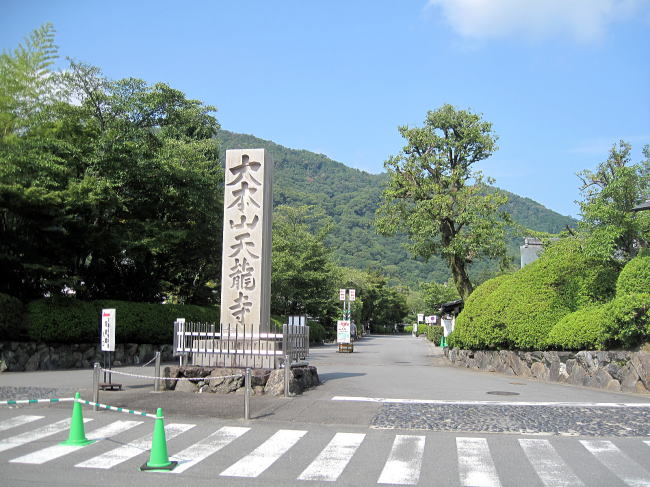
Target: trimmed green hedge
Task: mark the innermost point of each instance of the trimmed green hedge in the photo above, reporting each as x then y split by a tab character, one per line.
635	277
518	310
12	318
434	333
422	329
68	320
585	329
479	325
628	320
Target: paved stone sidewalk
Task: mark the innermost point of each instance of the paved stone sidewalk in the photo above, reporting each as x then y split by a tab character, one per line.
551	420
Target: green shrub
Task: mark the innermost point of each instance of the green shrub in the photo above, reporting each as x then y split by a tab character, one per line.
422	329
434	334
479	325
68	320
585	329
317	332
635	277
12	318
519	310
408	329
629	319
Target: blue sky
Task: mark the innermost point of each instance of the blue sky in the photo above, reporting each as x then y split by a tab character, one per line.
561	80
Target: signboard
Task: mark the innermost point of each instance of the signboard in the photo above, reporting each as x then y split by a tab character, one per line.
343	331
353	294
341	294
297	320
420	317
107	338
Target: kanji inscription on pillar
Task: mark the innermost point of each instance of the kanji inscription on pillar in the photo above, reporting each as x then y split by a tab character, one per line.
246	259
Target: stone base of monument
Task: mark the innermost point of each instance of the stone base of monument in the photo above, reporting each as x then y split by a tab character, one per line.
221	381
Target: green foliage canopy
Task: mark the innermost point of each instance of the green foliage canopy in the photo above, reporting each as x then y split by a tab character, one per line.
610	193
304	278
108	188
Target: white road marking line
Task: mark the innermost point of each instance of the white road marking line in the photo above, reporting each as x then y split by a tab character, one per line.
385	400
133	449
206	447
618	462
548	464
37	434
475	465
264	455
17	421
331	462
404	462
57	451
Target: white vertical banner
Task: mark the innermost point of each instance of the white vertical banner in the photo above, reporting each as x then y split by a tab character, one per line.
341	294
352	294
107	338
420	317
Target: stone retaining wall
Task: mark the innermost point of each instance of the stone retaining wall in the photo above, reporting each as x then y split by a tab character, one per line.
613	371
30	356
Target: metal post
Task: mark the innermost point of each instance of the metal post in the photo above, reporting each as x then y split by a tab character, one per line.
287	372
156	381
247	396
96	372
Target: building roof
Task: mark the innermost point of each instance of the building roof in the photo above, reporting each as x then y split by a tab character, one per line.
451	306
642	206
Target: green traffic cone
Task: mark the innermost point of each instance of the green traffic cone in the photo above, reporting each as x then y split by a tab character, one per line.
159	460
77	435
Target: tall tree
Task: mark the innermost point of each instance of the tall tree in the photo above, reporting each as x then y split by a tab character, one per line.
435	294
304	278
610	192
440	201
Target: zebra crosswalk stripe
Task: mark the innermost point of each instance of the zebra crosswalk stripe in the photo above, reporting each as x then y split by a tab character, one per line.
17	421
404	462
618	462
475	465
331	462
548	464
264	455
37	434
133	449
57	451
206	447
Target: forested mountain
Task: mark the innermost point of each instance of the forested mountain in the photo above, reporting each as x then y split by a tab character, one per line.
347	198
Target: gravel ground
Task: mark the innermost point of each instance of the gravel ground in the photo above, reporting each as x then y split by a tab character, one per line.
13	393
566	421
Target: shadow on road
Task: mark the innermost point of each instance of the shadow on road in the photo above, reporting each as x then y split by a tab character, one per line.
338	375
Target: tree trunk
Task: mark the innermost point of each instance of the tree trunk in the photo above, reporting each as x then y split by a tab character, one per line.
461	279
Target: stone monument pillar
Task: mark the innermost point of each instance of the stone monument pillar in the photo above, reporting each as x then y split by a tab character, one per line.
246	258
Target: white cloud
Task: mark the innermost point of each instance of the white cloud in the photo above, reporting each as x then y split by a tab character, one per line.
584	20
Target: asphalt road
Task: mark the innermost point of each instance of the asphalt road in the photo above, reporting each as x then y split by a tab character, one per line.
401	417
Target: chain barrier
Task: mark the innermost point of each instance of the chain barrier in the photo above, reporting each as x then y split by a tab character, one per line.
115	408
154	358
170	378
12	402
